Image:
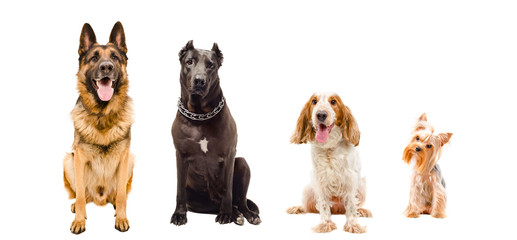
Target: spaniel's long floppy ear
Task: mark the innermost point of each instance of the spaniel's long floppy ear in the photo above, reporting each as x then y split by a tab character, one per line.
303	131
350	129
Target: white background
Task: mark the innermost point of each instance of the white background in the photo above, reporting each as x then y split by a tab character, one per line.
390	61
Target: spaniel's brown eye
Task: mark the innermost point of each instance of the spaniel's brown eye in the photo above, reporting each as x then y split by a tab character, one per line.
333	102
429	146
417	138
314	101
189	62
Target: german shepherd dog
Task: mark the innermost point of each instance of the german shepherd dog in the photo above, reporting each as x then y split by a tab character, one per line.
100	168
210	178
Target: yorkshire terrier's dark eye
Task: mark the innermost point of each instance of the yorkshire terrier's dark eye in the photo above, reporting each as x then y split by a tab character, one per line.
333	102
314	101
417	138
429	146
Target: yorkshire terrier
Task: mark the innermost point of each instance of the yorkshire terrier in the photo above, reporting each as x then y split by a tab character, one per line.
427	194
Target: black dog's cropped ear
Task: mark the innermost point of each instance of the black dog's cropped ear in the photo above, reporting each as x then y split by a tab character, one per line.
184	50
218	53
87	39
118	37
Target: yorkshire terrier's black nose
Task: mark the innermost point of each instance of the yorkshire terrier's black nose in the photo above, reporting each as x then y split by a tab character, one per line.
418	149
321	116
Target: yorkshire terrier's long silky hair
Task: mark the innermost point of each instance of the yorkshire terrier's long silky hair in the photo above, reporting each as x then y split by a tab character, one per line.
427	194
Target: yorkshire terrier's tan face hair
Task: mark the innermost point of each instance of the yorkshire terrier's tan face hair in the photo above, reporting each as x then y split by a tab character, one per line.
425	146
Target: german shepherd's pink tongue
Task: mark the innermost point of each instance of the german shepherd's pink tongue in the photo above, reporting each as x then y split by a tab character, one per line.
322	133
105	91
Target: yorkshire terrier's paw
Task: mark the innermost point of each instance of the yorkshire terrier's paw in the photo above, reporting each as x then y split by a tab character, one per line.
412	215
354	228
324	227
363	212
438	215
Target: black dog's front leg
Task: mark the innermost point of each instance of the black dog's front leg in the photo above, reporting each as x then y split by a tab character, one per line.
180	214
226	208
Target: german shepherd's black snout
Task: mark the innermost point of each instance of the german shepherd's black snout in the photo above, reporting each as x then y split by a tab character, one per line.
106	67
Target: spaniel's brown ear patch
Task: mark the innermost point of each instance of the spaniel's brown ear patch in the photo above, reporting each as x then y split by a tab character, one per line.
304	131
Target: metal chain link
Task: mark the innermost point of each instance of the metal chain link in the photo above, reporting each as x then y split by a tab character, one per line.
200	117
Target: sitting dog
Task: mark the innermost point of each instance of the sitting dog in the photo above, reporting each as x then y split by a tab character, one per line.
100	168
210	178
337	186
427	194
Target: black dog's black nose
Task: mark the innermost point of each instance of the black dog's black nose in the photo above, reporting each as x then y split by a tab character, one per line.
106	67
418	149
321	116
198	82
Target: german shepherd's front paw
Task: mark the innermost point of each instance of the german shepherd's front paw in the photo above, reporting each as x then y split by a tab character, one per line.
121	224
179	219
223	218
78	226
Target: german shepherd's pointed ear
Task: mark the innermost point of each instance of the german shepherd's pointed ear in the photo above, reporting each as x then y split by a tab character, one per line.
218	53
87	39
118	37
184	50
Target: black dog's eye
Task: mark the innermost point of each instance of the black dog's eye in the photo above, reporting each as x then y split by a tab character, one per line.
314	101
429	146
189	62
94	59
417	138
333	102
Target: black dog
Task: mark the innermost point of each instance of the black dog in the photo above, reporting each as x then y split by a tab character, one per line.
210	178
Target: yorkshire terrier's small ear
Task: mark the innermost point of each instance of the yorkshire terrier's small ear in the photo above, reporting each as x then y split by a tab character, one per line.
303	131
423	117
444	138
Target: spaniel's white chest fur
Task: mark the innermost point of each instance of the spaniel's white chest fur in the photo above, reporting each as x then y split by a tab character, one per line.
336	164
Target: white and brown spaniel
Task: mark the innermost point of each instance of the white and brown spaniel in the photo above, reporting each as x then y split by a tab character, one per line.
337	186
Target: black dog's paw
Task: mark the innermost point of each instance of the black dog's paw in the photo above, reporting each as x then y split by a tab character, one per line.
179	219
223	218
253	218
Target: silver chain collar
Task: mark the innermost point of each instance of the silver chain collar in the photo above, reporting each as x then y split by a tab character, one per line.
200	117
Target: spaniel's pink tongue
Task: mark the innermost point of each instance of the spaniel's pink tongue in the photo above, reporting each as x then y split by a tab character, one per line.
322	134
105	91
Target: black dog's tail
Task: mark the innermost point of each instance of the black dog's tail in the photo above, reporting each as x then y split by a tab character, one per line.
253	207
